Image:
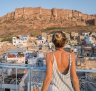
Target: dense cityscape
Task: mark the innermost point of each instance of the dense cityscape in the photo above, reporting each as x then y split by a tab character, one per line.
27	37
23	63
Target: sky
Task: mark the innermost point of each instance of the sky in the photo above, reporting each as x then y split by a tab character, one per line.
85	6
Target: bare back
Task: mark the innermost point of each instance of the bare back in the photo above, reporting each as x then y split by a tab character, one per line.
62	59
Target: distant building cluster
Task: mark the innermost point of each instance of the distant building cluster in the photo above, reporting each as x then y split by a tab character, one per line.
30	51
20	40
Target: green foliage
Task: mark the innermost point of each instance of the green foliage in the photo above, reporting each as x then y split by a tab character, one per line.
35	33
53	28
7	39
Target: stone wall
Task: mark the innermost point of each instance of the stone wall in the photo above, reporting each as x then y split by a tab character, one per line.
50	17
56	13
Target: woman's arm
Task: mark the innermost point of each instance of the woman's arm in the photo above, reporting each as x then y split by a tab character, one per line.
48	76
75	80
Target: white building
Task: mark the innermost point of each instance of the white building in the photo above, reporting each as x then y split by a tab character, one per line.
16	55
18	60
20	40
39	60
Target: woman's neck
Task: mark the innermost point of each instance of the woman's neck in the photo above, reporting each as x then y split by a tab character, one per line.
59	49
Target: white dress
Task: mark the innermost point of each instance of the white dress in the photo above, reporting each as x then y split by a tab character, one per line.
60	82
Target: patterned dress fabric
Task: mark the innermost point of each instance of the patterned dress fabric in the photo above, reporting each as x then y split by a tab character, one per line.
60	81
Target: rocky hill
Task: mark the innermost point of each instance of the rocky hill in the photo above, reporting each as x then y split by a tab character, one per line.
24	20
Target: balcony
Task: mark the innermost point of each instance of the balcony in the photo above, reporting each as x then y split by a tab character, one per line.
16	77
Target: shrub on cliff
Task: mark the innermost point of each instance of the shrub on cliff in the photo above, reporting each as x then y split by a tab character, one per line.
9	39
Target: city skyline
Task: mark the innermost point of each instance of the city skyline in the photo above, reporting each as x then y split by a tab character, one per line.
86	6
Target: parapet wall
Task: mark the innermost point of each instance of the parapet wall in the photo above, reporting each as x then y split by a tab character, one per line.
62	17
56	13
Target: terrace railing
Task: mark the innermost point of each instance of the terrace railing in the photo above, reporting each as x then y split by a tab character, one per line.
25	77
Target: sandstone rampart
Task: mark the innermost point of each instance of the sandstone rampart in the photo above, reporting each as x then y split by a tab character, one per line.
40	18
55	13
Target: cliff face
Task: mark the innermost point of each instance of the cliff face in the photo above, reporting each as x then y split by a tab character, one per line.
40	18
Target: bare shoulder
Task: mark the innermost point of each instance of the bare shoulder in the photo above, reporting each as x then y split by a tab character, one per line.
73	56
66	53
49	54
